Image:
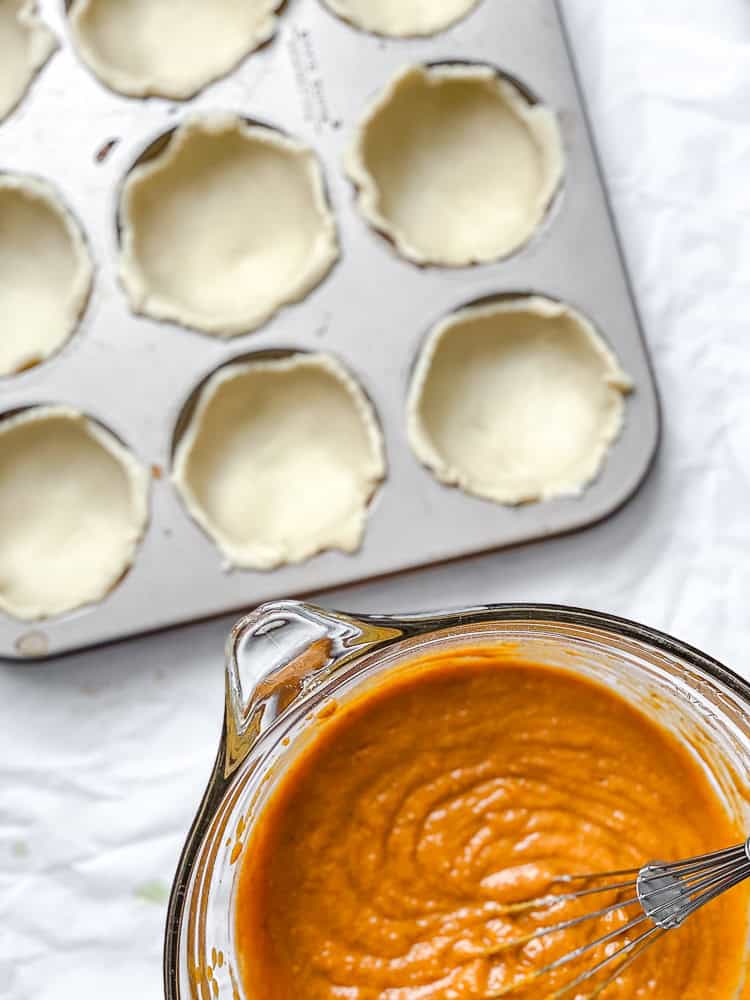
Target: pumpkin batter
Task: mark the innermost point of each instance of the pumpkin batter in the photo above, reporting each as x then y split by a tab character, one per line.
381	866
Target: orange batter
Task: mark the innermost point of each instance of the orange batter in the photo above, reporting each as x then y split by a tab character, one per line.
380	868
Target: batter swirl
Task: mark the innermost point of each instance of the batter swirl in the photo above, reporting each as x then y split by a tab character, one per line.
383	865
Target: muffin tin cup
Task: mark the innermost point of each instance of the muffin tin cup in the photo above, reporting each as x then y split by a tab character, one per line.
315	82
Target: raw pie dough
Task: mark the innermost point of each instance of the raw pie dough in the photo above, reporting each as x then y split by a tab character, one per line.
402	18
26	43
45	272
472	174
169	48
280	460
224	226
73	507
516	401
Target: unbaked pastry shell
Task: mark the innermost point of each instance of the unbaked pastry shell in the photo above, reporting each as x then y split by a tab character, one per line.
26	43
169	48
280	460
73	508
47	272
474	170
516	401
224	226
402	18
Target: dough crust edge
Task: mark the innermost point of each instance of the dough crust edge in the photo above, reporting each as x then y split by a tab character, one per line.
43	43
139	484
539	119
124	83
419	437
144	302
81	288
268	557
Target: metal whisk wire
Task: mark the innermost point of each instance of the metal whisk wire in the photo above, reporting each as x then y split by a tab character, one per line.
666	893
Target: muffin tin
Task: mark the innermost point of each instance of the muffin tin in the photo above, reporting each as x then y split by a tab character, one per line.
314	82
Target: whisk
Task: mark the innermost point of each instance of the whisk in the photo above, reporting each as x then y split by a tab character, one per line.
662	895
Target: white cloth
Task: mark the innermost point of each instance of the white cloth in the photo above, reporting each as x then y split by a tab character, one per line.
103	756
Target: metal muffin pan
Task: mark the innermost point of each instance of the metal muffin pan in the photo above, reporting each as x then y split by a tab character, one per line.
314	81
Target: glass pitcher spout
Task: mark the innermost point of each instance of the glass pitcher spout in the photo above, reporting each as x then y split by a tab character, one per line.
280	653
276	657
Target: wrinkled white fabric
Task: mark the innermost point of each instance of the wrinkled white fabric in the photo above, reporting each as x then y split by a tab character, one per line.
103	756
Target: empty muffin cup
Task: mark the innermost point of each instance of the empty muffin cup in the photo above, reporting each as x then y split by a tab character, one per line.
473	172
279	459
516	400
160	48
26	43
46	272
223	225
73	508
402	18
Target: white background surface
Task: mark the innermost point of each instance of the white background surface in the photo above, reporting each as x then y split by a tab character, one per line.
103	756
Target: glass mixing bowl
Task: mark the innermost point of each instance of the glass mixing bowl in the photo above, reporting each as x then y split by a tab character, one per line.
286	660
